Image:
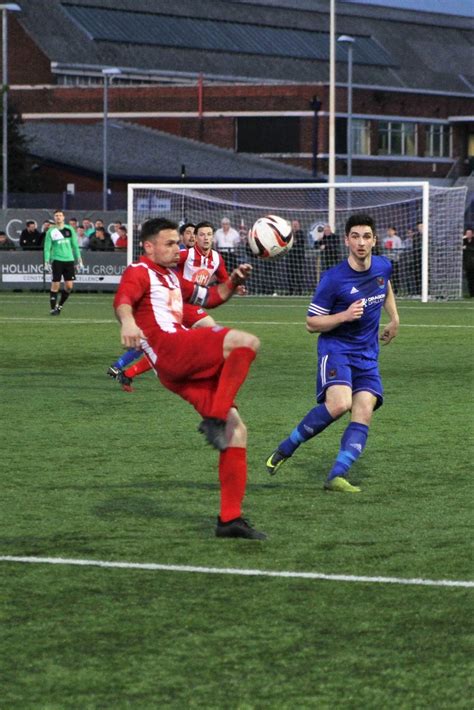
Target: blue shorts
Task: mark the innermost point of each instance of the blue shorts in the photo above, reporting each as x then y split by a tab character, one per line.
358	373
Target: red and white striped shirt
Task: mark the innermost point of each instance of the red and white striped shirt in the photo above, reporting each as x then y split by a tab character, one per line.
200	268
156	295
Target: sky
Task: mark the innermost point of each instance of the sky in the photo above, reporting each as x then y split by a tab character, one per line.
446	7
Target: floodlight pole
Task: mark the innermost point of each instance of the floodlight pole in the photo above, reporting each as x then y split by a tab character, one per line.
332	116
348	42
5	8
106	73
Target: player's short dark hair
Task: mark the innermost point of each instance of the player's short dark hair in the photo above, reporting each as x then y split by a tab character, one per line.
184	227
58	210
152	227
356	220
203	224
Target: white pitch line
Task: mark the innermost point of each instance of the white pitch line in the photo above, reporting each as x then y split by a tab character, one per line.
236	571
92	321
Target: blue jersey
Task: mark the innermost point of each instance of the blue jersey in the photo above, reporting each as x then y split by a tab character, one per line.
338	288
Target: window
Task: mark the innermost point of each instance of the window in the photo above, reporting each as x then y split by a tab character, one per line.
360	136
268	135
396	138
437	141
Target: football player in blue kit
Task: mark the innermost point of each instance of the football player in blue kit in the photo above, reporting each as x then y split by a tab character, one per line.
345	310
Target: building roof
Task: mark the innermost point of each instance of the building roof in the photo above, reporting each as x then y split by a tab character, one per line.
140	153
263	40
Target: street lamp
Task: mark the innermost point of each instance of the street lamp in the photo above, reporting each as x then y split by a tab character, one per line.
348	42
107	73
5	7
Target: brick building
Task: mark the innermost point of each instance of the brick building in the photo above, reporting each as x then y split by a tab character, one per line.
248	77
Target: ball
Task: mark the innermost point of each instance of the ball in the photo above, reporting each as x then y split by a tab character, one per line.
270	237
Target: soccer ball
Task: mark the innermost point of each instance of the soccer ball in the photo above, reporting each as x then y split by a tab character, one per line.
270	236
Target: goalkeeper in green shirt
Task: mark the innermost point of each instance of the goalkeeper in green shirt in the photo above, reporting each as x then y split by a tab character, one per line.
61	254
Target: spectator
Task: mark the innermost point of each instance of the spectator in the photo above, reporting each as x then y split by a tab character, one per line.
82	240
73	223
417	251
30	238
406	263
393	246
101	241
121	242
6	244
89	228
295	260
226	241
329	247
468	259
44	228
99	224
115	234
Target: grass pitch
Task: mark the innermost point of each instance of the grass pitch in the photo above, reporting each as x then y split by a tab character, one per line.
91	472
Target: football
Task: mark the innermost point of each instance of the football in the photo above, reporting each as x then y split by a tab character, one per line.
270	237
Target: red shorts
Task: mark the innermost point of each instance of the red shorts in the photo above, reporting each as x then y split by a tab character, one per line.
192	314
189	363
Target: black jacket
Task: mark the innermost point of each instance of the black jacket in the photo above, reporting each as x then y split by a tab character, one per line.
31	240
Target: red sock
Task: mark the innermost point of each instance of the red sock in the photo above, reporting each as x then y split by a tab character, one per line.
143	365
232	477
231	379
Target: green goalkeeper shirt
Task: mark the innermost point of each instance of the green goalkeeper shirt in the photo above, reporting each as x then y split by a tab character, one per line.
61	245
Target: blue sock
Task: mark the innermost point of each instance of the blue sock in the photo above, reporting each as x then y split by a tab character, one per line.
128	357
353	443
313	423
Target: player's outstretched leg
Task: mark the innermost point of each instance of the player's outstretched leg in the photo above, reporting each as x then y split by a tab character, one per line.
353	443
312	424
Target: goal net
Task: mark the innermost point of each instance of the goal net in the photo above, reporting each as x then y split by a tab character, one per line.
419	228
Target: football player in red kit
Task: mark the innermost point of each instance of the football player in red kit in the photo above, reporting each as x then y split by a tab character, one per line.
204	366
200	264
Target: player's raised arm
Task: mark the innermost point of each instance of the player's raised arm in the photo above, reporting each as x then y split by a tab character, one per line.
213	296
390	331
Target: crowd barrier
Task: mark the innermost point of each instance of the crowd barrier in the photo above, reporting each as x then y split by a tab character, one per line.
24	271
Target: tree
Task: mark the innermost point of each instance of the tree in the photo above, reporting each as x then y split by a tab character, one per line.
21	176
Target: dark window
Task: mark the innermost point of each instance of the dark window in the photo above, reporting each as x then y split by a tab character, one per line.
341	135
268	135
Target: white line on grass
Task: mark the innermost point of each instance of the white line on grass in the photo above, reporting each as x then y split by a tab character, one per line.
96	321
236	571
256	301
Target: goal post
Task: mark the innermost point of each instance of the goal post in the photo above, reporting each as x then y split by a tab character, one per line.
419	228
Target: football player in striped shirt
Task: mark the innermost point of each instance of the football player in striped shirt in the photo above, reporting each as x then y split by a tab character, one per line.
204	366
345	310
201	264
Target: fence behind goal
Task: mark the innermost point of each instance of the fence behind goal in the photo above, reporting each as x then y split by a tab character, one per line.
427	259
